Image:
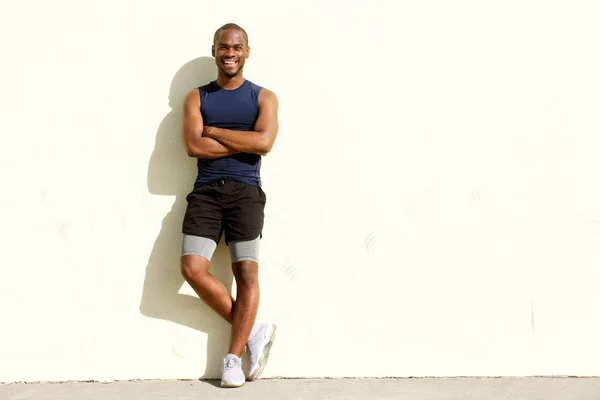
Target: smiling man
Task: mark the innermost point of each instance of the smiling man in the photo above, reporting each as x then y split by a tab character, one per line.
228	125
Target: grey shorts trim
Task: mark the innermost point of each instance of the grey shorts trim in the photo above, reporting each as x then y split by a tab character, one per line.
247	250
244	250
199	246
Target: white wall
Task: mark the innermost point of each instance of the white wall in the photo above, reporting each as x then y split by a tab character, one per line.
433	197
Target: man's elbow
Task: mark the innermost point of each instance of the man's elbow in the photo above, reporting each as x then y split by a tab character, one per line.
191	151
265	145
263	150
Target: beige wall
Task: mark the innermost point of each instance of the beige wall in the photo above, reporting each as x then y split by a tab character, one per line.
433	197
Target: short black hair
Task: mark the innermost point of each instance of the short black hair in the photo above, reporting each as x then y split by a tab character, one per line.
230	25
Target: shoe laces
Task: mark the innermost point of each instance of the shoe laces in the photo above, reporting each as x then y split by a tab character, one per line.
230	363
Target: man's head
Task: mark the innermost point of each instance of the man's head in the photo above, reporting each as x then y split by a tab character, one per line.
230	49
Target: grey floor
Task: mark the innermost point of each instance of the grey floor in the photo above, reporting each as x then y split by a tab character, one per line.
398	389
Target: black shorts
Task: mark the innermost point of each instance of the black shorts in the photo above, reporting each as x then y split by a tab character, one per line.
229	206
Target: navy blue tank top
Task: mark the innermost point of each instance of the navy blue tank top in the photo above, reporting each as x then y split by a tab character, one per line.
235	110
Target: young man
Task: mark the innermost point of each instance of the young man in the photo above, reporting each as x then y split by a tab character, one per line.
228	125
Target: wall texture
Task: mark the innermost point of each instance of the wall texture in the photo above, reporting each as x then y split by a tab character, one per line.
433	198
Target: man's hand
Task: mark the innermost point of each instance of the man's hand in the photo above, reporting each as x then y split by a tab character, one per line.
207	132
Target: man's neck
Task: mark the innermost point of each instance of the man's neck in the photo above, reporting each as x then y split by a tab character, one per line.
230	83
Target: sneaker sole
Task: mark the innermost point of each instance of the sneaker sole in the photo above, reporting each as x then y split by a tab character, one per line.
262	361
231	385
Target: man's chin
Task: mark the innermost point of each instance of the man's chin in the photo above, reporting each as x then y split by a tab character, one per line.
229	73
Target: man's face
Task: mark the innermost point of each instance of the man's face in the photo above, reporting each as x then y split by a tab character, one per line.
230	51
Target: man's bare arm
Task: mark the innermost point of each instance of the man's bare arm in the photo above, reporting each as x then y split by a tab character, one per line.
195	144
261	139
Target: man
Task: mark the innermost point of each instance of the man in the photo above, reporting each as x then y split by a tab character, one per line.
228	125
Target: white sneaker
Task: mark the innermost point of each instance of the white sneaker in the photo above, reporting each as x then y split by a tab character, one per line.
233	376
259	345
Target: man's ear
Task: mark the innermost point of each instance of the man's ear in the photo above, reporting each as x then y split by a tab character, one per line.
212	50
247	51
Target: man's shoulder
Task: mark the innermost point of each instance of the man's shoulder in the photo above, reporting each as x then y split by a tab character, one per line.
267	96
260	91
208	87
254	87
259	88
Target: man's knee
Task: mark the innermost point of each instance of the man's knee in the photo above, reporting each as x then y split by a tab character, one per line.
246	273
194	267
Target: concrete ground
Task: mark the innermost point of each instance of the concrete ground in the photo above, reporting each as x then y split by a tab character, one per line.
290	389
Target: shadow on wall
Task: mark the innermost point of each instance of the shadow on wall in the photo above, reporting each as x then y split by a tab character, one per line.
172	172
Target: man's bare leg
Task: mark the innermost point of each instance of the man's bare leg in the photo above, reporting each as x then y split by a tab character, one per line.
195	271
240	313
246	304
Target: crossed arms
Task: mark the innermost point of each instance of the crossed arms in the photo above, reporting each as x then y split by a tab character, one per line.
208	142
